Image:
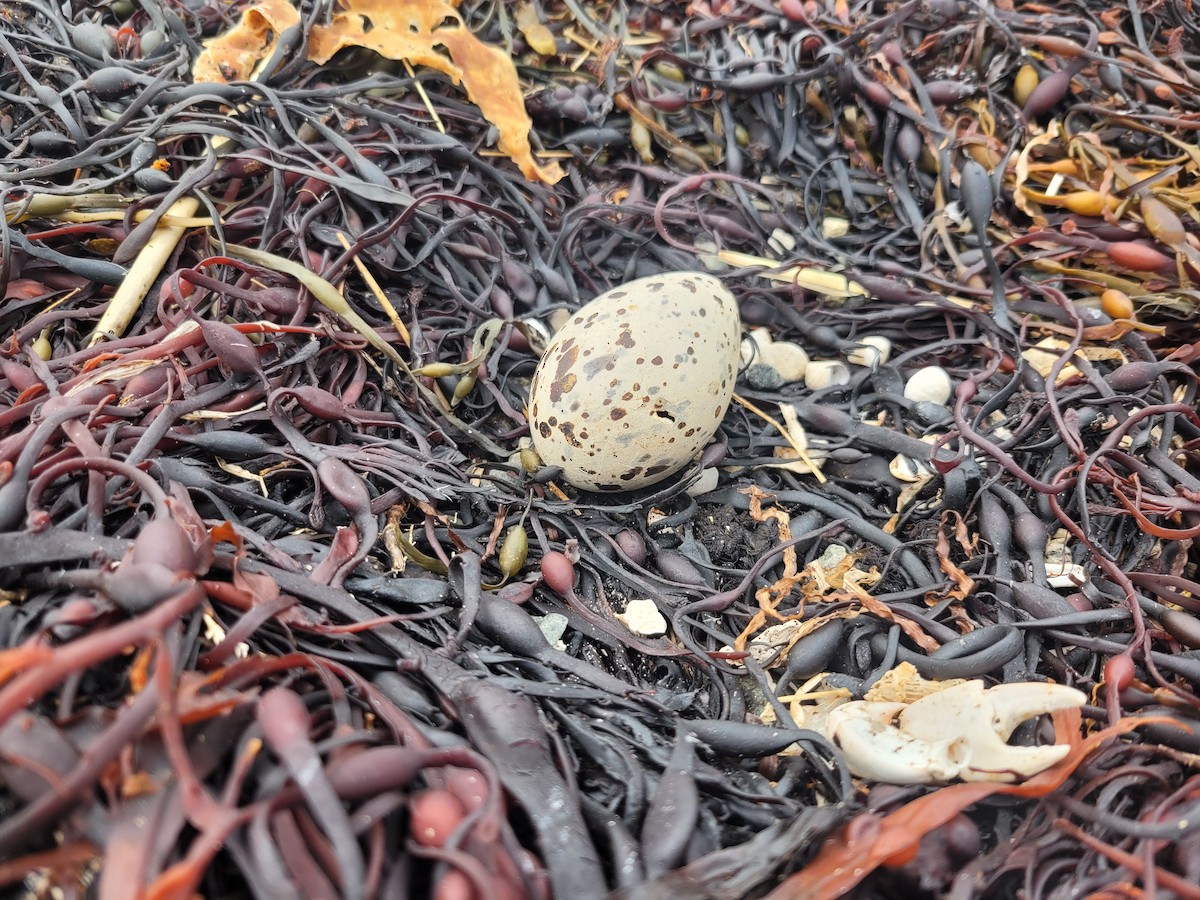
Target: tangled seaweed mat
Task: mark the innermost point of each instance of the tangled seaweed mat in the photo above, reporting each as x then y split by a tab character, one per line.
287	605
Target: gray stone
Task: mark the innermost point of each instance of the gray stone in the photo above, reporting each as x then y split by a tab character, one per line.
763	377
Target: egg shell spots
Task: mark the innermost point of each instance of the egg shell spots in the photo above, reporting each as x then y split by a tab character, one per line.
636	383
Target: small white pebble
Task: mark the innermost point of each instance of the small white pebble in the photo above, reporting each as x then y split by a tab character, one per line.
708	256
753	343
760	336
788	359
706	482
749	351
643	618
833	227
931	384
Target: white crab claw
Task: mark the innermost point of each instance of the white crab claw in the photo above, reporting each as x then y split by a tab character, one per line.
874	748
959	732
1012	704
980	721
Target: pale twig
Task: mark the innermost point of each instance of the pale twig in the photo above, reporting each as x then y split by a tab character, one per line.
437	120
378	292
801	451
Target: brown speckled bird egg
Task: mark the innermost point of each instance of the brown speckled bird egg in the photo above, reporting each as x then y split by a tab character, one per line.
635	384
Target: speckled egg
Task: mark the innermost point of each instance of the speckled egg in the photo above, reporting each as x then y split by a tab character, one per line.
636	382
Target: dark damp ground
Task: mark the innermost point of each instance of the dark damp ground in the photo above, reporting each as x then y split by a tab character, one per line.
274	585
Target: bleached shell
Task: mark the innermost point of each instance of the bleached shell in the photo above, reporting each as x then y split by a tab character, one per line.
636	382
872	350
823	373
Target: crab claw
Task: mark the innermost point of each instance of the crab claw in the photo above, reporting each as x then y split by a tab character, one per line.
980	722
1012	704
874	748
959	732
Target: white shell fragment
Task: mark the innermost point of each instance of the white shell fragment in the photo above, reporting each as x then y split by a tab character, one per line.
1061	570
957	733
931	384
1065	574
642	618
781	242
872	350
906	469
823	373
636	383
